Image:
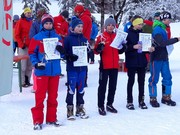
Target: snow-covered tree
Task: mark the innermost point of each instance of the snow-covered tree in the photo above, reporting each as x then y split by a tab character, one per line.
36	4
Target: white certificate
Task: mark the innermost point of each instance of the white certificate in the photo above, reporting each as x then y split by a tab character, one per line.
81	52
119	39
146	39
50	48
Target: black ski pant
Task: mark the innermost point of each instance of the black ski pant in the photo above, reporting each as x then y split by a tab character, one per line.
104	76
140	78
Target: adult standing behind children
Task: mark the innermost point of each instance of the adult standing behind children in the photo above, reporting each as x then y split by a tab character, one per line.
136	62
85	17
160	62
61	24
22	37
108	69
47	72
15	44
75	74
94	33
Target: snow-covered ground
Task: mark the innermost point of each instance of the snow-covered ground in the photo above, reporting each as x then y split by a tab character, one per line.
15	114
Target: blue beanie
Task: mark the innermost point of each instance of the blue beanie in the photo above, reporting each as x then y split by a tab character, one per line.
76	21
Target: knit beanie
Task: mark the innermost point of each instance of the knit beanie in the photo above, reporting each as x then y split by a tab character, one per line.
165	15
157	14
78	9
137	21
75	21
26	10
46	18
65	13
41	12
109	21
16	17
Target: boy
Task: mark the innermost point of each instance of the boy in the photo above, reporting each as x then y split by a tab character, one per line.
76	74
160	62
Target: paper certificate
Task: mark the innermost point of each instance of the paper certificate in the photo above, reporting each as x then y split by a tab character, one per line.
146	39
50	48
81	52
119	39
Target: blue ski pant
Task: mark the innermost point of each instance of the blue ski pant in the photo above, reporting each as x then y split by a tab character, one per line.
76	82
157	67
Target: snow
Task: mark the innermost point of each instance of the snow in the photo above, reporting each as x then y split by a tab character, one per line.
16	119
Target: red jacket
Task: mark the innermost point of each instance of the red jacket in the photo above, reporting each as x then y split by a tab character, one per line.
168	30
87	23
22	29
109	55
61	26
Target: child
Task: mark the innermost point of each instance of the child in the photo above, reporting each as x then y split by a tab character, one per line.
47	72
136	62
160	62
75	74
108	67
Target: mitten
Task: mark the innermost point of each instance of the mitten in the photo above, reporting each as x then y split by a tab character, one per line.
40	66
100	47
60	49
72	57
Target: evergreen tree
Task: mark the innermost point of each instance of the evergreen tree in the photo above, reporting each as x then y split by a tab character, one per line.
36	4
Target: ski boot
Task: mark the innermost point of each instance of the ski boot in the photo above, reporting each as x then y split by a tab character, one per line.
81	112
166	99
70	112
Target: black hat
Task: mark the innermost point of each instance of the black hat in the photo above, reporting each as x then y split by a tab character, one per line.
65	13
165	15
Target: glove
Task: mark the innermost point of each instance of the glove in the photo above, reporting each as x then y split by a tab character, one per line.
60	49
72	57
100	47
24	47
40	66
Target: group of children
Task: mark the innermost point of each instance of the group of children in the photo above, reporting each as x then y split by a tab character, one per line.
49	70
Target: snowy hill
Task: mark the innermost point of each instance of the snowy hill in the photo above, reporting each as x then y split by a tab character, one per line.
15	114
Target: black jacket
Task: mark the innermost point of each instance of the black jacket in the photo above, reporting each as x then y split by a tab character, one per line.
132	57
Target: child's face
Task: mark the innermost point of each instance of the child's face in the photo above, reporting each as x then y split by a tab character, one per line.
110	28
167	21
48	25
78	29
139	26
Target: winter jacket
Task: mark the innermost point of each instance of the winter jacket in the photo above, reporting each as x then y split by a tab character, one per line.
132	57
22	29
161	41
35	28
61	26
37	54
94	31
87	23
147	28
127	26
74	40
109	55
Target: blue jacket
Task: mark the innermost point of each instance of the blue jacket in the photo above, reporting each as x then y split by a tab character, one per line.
161	41
133	58
35	28
127	26
74	40
94	31
37	54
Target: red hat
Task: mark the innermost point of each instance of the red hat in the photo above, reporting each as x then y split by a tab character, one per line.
46	18
78	9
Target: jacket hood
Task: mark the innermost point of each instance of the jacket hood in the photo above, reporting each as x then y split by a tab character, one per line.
86	12
159	23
